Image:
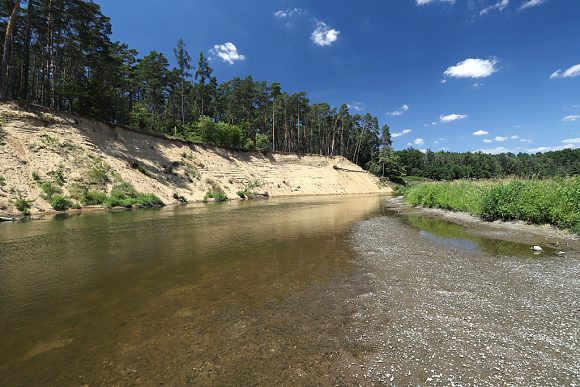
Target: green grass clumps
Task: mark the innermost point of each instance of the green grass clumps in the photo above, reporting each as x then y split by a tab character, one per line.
125	195
93	198
550	201
23	205
62	203
217	196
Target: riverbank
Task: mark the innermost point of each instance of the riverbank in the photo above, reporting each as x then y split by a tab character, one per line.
551	201
51	162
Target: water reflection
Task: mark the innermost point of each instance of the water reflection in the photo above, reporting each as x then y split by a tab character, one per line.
193	283
456	236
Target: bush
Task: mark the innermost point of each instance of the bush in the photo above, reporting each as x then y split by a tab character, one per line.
217	196
23	205
93	198
49	190
125	195
61	203
2	181
263	143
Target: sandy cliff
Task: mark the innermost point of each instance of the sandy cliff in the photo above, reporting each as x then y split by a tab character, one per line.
39	146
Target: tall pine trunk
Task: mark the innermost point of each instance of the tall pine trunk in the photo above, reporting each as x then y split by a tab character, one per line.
6	53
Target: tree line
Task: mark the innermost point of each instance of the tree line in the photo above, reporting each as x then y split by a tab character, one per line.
59	54
453	165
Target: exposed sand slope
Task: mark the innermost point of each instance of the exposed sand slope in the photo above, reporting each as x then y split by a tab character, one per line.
42	143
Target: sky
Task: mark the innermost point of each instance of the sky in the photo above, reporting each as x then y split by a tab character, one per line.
457	75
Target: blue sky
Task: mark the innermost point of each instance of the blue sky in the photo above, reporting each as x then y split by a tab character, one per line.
492	75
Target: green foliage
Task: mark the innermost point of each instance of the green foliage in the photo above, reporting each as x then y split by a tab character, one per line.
98	174
2	181
23	205
36	177
222	134
452	165
49	189
552	201
217	196
61	203
124	194
263	143
93	198
58	176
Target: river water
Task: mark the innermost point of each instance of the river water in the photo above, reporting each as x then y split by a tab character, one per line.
323	290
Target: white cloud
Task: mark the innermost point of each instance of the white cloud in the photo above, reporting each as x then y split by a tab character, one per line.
571	118
288	13
573	71
358	106
543	149
228	52
480	133
452	117
323	35
399	134
572	141
404	108
495	151
500	6
487	141
515	137
531	3
424	2
443	81
472	68
500	138
525	140
419	141
478	85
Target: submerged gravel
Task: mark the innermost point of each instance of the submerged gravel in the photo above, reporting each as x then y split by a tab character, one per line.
442	316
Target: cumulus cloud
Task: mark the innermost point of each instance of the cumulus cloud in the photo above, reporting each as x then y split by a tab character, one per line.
571	72
228	52
399	134
480	133
419	141
424	2
571	118
500	6
472	68
531	3
452	117
572	141
324	35
403	109
288	13
500	138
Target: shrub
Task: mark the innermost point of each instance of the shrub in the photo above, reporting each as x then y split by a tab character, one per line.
125	195
2	181
23	205
61	203
99	173
36	177
263	143
49	190
93	198
217	196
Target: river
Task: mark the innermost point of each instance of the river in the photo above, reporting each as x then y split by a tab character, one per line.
302	291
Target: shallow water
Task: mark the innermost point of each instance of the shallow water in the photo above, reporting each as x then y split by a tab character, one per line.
294	291
201	294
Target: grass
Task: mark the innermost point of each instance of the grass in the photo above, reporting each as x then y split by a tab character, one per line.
125	195
549	201
23	205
